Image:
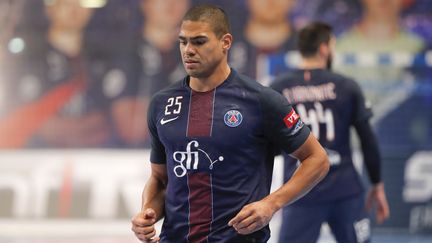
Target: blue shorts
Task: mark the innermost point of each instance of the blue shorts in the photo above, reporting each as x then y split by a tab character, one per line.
347	219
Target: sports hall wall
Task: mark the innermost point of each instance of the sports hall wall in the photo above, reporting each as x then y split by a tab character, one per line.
76	77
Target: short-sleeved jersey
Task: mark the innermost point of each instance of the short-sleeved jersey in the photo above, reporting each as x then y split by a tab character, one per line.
329	104
218	147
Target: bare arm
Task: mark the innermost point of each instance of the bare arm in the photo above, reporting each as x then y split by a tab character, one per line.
154	191
153	201
314	166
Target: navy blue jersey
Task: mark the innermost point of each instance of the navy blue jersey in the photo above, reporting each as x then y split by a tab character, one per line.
329	104
218	147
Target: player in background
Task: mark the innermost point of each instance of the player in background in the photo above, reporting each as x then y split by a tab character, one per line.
330	104
214	136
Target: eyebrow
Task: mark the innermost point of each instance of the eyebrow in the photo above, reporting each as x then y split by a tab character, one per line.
193	38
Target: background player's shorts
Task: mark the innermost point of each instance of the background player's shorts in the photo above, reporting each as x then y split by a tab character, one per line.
346	218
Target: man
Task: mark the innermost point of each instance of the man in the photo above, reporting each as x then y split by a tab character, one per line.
214	135
330	104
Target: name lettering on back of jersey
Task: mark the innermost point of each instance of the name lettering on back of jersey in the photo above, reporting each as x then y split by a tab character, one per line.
312	93
233	118
173	107
189	160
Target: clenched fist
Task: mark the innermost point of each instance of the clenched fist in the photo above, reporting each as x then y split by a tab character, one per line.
143	226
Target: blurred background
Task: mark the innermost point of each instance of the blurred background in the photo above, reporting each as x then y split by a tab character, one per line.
76	77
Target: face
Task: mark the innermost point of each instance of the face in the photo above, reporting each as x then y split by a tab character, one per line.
270	11
164	12
68	14
201	50
383	8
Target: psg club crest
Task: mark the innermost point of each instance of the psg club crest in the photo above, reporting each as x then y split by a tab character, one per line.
233	118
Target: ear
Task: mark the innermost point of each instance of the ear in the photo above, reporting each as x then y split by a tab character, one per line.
227	40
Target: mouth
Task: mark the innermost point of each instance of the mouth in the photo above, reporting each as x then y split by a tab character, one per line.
191	63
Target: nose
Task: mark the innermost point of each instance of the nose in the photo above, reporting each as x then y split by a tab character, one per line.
189	49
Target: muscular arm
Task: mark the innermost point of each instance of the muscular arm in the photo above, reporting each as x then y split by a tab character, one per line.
154	191
314	166
153	201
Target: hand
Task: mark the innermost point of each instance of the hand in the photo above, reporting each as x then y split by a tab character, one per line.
377	198
143	226
252	217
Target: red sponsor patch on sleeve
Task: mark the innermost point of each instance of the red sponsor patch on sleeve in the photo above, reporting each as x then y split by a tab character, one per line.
291	118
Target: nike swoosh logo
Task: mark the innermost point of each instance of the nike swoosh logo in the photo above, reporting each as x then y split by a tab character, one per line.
163	121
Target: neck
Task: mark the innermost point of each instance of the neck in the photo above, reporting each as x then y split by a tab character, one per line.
313	63
67	41
204	84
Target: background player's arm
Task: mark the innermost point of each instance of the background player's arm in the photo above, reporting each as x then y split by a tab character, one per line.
313	168
376	196
153	202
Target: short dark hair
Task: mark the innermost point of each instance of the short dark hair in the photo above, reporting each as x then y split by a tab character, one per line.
312	36
212	14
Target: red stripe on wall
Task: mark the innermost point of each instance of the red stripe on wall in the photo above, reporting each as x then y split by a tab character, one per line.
200	199
200	193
